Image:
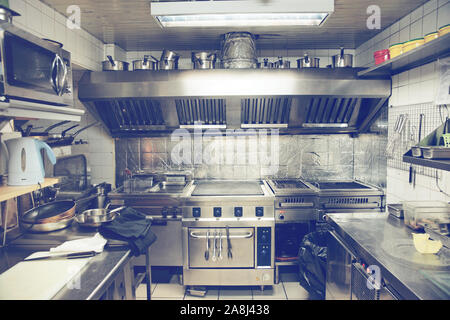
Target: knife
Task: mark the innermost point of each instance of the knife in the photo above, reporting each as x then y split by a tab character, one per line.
76	255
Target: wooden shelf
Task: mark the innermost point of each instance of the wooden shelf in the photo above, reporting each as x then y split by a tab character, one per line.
430	163
424	54
9	192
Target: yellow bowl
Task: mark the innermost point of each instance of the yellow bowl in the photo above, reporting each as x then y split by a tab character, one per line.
444	30
396	50
431	36
412	44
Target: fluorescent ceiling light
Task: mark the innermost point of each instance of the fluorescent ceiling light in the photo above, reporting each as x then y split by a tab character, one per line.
249	13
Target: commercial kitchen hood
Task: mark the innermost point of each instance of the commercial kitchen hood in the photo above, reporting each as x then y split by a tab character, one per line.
306	101
248	13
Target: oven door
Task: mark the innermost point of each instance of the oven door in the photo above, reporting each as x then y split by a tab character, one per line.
35	69
215	242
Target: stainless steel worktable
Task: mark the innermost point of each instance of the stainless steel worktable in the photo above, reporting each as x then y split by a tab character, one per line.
383	240
95	278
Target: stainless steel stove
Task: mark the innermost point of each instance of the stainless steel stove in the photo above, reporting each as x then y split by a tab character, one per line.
228	234
295	200
349	196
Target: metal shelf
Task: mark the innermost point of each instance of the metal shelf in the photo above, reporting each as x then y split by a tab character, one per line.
436	164
424	54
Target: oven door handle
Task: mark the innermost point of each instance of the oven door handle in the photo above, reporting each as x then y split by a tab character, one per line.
198	235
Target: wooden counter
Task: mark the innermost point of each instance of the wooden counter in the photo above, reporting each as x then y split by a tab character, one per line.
9	192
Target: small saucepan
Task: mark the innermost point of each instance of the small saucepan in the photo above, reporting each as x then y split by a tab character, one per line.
96	217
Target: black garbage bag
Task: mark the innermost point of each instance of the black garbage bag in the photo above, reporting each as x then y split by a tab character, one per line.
312	262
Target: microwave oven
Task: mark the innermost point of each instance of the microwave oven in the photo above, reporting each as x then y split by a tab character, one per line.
33	70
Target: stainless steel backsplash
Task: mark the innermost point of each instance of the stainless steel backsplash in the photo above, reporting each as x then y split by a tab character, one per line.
245	157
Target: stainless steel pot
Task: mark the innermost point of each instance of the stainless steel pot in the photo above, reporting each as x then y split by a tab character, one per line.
307	62
282	64
114	65
204	60
169	60
342	60
146	63
265	64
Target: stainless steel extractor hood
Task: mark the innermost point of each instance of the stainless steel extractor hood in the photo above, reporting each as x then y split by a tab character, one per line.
306	101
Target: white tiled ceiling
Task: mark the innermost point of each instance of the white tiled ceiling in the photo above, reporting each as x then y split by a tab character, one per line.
129	24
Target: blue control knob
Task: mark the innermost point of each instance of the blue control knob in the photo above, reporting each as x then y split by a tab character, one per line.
238	212
196	212
259	211
217	212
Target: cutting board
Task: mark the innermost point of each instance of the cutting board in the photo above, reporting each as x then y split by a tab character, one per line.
40	279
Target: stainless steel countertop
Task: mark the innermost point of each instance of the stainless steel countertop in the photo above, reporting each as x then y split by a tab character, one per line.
95	277
383	240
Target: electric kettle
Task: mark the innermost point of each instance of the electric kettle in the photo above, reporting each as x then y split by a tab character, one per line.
25	165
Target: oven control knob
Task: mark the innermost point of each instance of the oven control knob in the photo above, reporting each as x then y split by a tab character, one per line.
259	211
238	212
196	212
281	216
217	212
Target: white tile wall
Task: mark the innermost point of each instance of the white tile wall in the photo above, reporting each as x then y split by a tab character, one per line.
412	87
425	19
41	20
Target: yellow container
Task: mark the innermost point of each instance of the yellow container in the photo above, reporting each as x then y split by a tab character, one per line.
412	44
444	30
396	50
431	36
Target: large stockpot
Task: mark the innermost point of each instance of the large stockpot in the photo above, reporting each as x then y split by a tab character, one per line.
342	60
169	60
204	60
239	50
146	63
307	62
114	65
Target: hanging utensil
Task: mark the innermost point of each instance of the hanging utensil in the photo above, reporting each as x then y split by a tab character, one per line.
66	141
229	247
207	247
214	258
220	246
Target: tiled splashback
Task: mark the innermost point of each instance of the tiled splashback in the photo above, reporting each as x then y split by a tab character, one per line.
307	156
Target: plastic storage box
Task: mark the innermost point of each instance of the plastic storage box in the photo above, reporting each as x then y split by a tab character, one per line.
417	213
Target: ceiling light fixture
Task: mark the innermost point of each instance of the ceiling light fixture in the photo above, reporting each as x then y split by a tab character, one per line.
249	13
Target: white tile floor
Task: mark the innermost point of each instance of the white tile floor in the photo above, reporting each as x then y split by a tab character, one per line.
288	289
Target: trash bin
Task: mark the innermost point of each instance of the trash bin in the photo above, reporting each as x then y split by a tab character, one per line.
312	263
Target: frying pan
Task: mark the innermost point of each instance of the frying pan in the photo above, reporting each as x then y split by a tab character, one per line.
66	141
52	216
45	135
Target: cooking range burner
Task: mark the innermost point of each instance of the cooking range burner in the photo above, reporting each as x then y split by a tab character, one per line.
290	187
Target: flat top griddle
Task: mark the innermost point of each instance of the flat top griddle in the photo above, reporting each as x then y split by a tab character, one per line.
336	185
228	188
